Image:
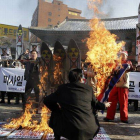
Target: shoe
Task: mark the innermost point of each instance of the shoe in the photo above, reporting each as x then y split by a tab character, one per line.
107	120
124	121
2	101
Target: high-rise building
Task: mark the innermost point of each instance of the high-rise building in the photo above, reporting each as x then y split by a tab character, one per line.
49	14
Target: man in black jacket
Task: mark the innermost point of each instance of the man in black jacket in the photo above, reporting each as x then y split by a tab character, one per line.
31	75
24	56
72	107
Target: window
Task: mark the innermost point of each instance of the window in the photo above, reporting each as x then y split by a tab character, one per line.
49	20
49	13
59	9
59	15
50	26
73	13
58	3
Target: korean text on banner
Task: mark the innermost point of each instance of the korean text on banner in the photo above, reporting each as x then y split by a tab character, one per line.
12	80
134	86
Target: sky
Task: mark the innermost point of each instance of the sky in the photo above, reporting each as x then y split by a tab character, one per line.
15	12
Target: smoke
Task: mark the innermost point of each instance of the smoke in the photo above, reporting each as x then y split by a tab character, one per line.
15	12
111	8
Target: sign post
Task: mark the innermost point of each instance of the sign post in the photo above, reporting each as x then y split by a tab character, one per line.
19	41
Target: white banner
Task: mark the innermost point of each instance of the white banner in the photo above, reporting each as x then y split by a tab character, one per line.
134	86
12	80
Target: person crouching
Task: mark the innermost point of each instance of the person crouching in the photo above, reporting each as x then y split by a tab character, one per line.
72	108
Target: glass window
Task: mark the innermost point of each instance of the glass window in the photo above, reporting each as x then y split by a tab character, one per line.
49	13
49	25
49	20
73	13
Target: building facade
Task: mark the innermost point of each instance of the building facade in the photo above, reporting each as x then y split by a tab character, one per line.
50	14
78	29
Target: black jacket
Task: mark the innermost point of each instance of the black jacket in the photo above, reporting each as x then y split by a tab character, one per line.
23	56
31	69
77	103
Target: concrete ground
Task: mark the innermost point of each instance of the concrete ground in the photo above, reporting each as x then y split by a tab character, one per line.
116	130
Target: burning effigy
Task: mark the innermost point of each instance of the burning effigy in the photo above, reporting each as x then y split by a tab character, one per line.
103	50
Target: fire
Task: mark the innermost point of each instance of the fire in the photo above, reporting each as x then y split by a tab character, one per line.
103	49
24	120
57	71
43	79
43	126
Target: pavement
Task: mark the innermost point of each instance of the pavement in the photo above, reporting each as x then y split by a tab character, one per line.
116	130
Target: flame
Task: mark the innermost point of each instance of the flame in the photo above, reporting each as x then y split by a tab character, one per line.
24	120
94	4
57	71
43	79
43	126
103	49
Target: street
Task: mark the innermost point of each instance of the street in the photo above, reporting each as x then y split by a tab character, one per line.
115	130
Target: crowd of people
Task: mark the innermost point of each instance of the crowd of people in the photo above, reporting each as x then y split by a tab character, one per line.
31	75
7	62
74	105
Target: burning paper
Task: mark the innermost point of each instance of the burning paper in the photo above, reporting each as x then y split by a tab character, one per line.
26	121
5	132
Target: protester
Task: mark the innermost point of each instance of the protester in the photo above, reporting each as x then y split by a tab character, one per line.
5	63
24	56
72	107
32	77
120	93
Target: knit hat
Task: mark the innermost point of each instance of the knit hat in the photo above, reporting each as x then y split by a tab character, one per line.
124	52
